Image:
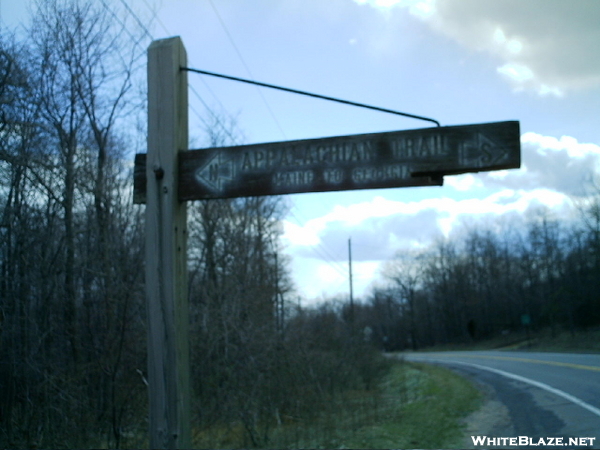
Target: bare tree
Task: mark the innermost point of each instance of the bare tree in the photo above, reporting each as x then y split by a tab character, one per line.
71	248
405	272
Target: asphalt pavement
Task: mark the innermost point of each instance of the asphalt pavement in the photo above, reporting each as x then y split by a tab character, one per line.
543	394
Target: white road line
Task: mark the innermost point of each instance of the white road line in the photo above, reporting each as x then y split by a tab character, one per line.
538	384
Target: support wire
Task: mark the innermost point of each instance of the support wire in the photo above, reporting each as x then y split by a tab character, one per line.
309	94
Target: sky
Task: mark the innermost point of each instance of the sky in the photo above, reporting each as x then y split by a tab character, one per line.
457	61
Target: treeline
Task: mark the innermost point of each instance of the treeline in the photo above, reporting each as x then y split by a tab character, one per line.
71	241
259	361
543	274
72	307
72	352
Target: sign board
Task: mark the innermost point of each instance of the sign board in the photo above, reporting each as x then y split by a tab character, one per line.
170	175
419	157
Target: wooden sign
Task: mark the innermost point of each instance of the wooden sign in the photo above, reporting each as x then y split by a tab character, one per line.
168	175
418	157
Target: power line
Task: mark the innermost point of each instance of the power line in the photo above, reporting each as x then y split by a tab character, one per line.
194	91
235	47
155	17
123	26
215	117
322	251
213	114
137	19
310	94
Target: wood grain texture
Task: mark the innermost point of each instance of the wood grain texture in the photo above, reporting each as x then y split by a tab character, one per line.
166	252
408	158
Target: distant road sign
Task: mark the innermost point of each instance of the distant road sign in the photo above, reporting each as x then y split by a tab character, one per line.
418	157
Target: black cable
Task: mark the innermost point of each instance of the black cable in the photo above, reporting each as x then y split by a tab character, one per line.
309	94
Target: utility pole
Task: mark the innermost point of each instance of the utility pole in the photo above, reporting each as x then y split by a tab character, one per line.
279	305
351	288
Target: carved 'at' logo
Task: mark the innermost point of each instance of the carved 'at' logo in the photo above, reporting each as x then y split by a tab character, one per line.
216	172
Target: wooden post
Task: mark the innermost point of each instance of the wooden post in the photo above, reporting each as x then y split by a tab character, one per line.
166	252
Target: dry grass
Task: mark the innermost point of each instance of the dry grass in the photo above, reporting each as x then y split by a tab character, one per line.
415	406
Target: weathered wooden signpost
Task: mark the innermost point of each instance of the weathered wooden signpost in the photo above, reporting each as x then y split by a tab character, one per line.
166	253
168	175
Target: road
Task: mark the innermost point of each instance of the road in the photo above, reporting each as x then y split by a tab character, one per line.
531	394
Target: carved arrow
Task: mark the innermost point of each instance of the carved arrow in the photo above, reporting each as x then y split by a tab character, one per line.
216	173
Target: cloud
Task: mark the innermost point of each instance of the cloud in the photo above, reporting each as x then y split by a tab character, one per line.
420	8
321	280
464	182
562	165
553	174
407	224
377	238
294	234
553	171
549	46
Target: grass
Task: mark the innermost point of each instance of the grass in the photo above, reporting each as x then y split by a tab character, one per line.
431	415
545	340
415	406
582	341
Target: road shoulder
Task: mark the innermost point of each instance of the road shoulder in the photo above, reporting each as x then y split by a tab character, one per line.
491	419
